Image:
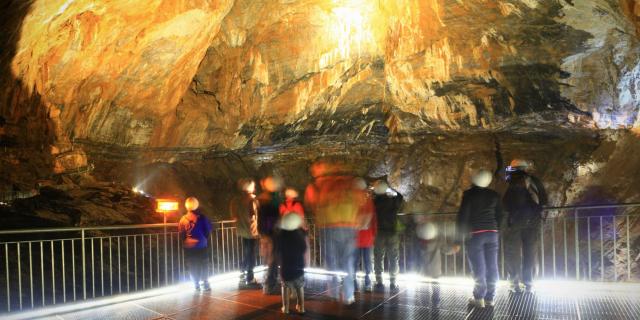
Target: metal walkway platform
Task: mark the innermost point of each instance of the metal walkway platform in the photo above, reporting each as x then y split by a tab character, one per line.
415	300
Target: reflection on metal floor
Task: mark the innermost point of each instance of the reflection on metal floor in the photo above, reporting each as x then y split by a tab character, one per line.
415	300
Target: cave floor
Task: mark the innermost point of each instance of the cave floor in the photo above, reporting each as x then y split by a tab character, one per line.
415	300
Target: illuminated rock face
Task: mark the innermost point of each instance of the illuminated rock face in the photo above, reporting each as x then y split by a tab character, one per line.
122	84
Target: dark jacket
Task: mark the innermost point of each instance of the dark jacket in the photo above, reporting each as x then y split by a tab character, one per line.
268	212
387	208
524	198
292	246
481	209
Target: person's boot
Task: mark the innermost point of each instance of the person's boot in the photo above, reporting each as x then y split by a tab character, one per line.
516	288
528	289
379	285
479	303
393	286
206	286
367	284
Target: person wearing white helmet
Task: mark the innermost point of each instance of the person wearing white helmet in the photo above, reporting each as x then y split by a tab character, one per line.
291	240
194	229
387	203
478	222
524	201
244	210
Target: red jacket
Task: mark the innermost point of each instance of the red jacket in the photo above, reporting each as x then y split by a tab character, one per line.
366	237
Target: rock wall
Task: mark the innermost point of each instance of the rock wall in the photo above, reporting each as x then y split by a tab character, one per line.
187	96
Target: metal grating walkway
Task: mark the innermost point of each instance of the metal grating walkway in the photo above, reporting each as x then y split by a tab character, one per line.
415	300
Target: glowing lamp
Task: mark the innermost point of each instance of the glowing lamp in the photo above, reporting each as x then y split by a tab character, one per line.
167	205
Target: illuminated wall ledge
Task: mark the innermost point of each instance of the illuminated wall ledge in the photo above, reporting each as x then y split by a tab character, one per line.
408	281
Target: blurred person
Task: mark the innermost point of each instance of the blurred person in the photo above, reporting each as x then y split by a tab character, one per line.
291	240
433	245
291	204
268	215
335	202
387	204
524	201
244	210
194	229
478	222
366	236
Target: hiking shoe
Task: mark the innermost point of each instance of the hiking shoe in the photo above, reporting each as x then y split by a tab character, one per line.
478	303
489	303
529	290
379	287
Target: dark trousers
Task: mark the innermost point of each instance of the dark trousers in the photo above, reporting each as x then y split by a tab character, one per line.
196	260
387	245
521	241
269	251
249	257
483	258
365	253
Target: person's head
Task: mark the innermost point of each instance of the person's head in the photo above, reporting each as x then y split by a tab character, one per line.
191	204
290	222
290	193
380	187
247	185
521	164
272	184
482	178
359	184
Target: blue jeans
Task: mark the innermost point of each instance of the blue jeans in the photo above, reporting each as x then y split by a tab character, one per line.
365	253
338	245
483	258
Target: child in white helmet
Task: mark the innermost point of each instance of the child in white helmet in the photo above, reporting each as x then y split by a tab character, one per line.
291	258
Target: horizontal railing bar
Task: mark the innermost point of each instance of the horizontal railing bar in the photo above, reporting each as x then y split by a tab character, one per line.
579	207
97	228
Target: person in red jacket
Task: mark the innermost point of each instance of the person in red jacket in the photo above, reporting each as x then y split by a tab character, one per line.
366	237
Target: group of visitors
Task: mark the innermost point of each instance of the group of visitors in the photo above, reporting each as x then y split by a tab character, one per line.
355	221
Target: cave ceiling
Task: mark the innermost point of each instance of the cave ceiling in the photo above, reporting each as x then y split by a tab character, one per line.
229	74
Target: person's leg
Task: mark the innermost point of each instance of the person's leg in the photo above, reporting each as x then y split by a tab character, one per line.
366	262
330	260
513	256
356	261
285	297
190	262
529	246
491	262
476	260
393	252
300	301
378	256
347	237
250	258
204	268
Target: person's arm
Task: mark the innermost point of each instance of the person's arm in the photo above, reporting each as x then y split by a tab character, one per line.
182	232
542	193
462	220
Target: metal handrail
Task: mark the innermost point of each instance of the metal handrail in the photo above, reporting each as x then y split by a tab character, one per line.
576	207
95	228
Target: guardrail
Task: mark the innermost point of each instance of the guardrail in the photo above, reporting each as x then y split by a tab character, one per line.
47	266
595	242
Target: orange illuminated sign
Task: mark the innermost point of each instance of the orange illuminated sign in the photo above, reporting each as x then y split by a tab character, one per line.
167	205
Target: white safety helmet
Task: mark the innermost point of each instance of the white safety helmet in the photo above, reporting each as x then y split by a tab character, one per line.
426	231
380	187
191	203
290	222
290	193
482	178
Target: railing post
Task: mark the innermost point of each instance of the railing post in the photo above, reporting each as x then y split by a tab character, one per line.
166	278
84	266
577	243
